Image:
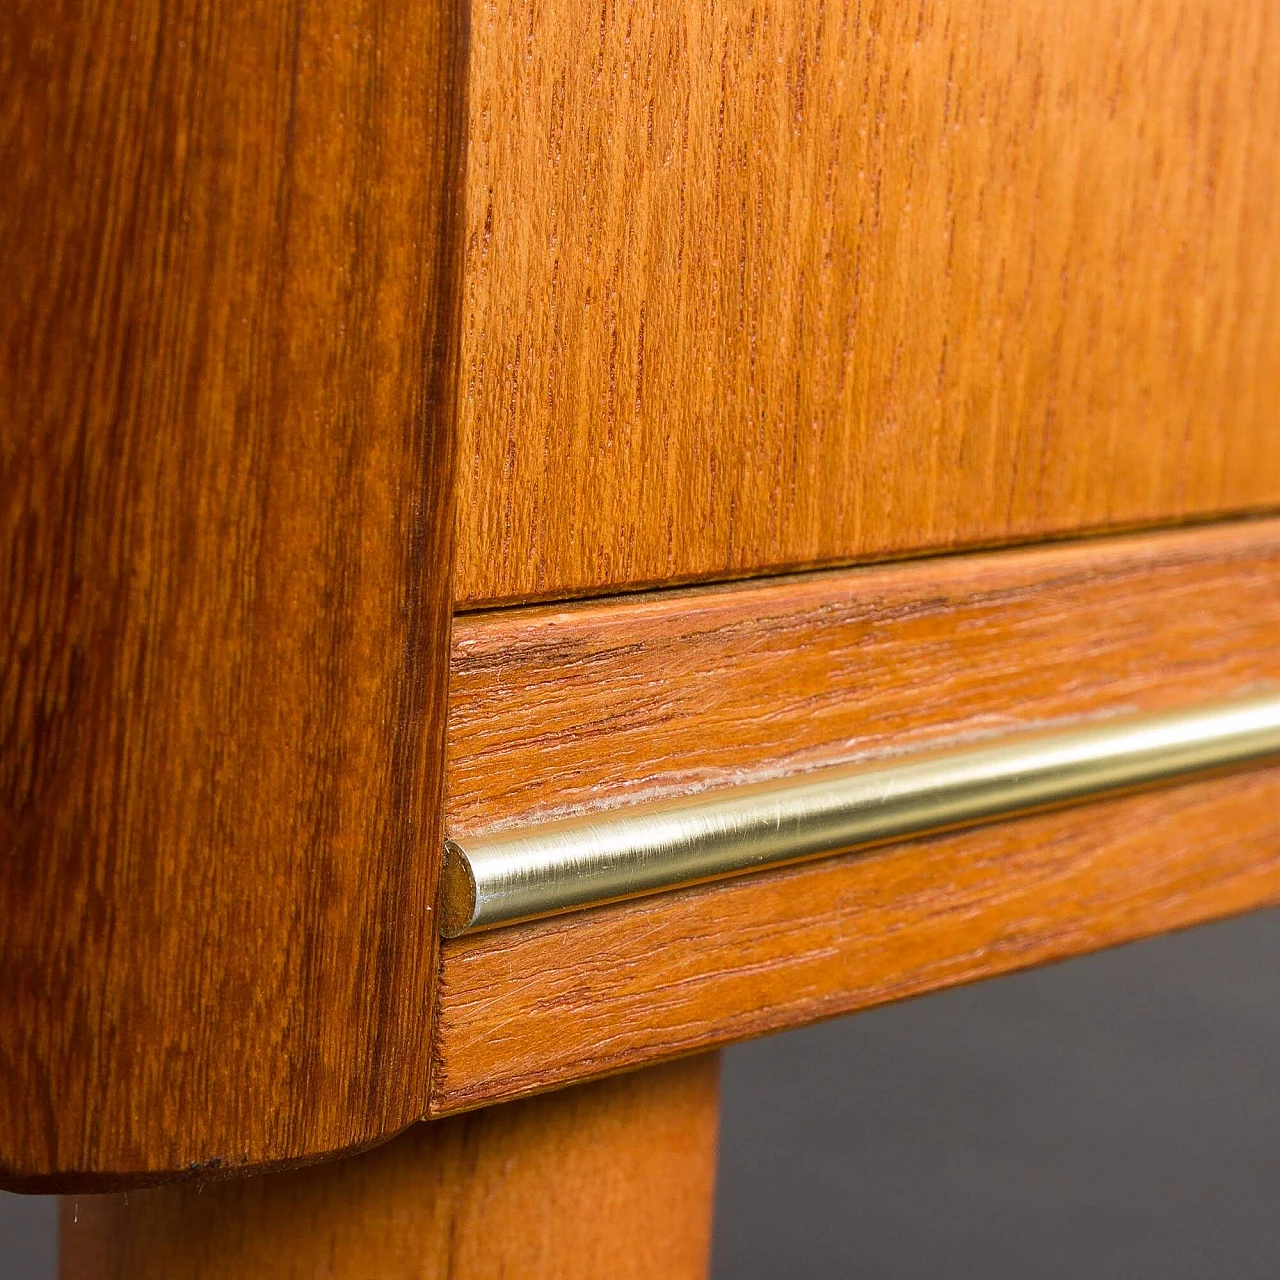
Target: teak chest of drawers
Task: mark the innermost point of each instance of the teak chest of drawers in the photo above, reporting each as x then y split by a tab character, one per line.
434	418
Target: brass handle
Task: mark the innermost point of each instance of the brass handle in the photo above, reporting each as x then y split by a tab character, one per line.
544	870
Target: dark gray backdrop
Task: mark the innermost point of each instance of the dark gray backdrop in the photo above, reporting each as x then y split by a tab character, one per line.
1114	1116
1117	1116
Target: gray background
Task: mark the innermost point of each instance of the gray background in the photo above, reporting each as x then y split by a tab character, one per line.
1117	1115
1114	1116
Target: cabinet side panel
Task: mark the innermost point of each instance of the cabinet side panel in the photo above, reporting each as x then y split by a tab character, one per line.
227	335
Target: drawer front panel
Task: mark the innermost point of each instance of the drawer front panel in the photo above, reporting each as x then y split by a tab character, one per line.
753	286
563	710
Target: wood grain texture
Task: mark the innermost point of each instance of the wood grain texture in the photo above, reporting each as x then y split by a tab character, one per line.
752	285
567	709
230	242
537	1006
611	1179
562	709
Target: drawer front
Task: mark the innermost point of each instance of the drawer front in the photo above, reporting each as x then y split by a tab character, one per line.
588	708
752	285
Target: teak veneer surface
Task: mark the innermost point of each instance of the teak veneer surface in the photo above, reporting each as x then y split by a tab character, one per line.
740	287
611	1179
751	284
563	709
228	234
542	1005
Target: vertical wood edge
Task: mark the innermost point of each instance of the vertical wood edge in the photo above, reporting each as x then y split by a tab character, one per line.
228	375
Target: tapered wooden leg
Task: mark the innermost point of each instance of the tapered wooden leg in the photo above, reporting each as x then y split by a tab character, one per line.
613	1179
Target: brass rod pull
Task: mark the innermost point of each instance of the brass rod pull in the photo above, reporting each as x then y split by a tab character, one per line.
544	870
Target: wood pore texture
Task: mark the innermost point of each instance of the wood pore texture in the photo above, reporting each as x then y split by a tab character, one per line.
564	709
611	1179
752	285
227	343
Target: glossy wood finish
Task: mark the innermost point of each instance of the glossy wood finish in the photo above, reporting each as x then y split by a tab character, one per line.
755	285
563	709
226	332
611	1179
